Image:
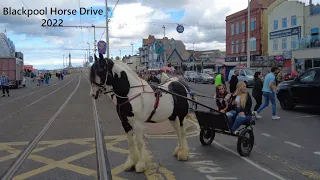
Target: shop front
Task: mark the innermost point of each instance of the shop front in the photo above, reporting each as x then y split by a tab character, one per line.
304	59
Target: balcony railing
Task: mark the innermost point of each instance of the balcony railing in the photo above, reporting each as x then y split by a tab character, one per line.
309	42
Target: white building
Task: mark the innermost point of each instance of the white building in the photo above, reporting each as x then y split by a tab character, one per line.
286	27
308	54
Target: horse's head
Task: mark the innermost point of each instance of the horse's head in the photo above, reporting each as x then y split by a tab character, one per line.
101	76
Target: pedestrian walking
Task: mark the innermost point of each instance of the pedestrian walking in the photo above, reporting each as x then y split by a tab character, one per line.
5	84
220	78
61	76
257	90
268	91
234	81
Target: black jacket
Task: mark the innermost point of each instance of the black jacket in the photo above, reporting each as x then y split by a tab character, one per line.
154	79
222	103
247	109
257	87
233	83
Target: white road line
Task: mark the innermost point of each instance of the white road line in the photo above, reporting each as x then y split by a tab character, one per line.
317	152
251	162
267	135
27	94
305	116
16	112
24	155
293	144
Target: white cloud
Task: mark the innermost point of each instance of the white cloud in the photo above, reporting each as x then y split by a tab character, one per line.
127	26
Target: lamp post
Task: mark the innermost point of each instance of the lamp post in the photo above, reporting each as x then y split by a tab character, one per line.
132	48
89	49
120	54
248	40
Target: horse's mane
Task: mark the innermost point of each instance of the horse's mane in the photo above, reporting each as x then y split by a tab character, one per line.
126	68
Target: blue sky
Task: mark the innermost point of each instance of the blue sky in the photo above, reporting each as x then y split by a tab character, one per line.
25	42
132	20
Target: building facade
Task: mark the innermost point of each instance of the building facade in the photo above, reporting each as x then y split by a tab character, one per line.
7	47
307	55
236	32
285	30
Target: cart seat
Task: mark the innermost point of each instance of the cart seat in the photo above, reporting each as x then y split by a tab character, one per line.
213	119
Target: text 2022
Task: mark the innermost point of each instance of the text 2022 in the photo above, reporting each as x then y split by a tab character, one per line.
52	22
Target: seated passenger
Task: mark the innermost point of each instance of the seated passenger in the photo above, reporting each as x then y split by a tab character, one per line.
241	113
153	78
223	98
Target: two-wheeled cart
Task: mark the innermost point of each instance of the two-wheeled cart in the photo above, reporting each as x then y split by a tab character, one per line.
213	121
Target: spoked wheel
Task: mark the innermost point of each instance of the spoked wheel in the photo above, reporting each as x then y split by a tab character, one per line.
207	136
245	142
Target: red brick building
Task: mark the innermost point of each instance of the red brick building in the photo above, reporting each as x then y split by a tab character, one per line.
236	32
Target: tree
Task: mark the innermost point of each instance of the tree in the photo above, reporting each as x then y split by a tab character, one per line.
117	58
111	58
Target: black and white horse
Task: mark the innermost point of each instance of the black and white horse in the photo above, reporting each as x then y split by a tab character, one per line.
136	101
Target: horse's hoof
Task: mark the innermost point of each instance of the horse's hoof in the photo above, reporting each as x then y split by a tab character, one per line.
183	155
140	167
129	165
176	151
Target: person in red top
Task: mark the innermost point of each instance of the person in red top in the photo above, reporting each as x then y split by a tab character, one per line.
293	74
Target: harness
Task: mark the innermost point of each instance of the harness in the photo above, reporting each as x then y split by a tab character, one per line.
157	93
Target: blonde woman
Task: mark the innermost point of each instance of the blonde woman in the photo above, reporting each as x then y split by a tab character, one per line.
242	104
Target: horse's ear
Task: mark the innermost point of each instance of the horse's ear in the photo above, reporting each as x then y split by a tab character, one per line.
101	56
95	58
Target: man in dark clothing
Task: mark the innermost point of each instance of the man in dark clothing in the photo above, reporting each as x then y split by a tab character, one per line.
234	81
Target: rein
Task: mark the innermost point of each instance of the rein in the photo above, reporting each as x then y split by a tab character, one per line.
107	92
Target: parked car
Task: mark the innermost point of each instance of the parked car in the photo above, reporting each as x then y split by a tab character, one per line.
203	78
303	90
245	75
189	75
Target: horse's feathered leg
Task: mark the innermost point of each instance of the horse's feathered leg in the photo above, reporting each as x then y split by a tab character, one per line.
176	127
133	154
141	165
183	154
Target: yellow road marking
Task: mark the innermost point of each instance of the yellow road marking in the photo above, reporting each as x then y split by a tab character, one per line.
154	173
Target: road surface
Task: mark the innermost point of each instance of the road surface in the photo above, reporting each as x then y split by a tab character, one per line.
66	149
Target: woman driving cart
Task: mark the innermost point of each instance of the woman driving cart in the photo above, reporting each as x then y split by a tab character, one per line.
241	108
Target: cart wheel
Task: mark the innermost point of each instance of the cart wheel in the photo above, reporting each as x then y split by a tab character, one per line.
245	145
207	136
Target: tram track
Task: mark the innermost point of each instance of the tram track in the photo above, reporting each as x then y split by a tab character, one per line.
34	102
9	174
104	170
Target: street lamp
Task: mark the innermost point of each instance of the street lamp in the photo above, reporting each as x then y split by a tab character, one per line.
132	48
120	54
248	40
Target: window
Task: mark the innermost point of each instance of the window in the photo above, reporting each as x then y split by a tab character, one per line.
284	43
232	29
284	23
237	46
293	20
294	43
253	44
275	45
232	47
243	45
275	25
243	26
308	77
237	28
253	24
